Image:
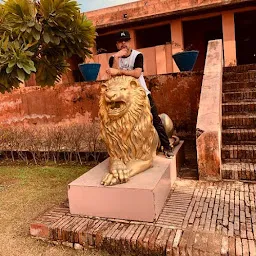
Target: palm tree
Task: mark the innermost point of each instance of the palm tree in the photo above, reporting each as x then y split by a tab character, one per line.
37	37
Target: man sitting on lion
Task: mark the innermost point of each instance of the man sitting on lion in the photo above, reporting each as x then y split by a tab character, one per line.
129	62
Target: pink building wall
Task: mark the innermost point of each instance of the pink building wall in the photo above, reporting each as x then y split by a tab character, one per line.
158	59
147	8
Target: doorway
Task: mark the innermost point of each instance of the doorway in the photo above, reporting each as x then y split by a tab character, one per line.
197	33
245	25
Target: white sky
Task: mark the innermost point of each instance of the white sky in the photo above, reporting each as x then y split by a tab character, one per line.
90	5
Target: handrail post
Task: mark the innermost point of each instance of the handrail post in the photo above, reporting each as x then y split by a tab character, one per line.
209	120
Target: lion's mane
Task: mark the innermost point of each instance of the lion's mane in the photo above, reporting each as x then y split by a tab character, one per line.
130	136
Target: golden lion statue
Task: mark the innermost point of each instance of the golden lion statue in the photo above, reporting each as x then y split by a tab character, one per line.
127	129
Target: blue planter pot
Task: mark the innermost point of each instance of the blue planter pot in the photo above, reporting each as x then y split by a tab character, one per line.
89	71
185	60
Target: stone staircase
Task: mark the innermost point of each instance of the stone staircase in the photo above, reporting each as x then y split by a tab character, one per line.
239	123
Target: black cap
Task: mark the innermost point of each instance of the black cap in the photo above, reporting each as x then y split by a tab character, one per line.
123	35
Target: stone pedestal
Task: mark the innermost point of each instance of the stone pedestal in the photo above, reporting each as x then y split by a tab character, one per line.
141	199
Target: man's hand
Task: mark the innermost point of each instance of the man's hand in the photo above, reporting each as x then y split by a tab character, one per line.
121	53
113	71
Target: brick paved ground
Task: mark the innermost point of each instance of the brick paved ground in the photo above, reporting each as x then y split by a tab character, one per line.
199	218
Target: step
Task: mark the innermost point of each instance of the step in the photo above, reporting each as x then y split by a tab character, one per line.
245	95
239	171
236	86
239	152
239	121
239	68
238	136
236	107
249	75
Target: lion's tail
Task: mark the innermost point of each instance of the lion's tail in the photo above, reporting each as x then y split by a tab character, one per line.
169	128
168	124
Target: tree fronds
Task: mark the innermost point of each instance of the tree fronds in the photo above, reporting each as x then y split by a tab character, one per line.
37	36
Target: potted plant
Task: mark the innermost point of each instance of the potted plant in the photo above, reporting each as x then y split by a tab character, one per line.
89	71
38	36
186	59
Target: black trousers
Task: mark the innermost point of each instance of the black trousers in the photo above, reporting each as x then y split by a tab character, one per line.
158	125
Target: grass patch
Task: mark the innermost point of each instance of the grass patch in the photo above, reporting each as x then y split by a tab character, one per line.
26	192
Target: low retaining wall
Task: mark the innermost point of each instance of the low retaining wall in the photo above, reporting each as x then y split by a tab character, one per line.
175	94
58	107
178	95
55	105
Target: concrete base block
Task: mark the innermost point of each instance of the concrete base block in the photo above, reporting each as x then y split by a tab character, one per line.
141	199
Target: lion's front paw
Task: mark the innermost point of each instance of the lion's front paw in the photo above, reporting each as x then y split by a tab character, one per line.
116	165
116	177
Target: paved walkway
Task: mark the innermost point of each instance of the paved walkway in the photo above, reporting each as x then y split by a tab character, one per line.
199	218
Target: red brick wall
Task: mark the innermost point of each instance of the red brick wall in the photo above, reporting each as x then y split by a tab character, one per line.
175	94
178	95
62	103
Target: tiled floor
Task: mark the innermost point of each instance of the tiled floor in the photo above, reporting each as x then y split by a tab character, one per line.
214	218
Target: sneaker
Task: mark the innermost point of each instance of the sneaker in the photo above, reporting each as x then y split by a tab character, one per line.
168	153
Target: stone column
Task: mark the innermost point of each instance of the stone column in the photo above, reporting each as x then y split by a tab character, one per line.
133	38
161	59
177	39
209	120
229	41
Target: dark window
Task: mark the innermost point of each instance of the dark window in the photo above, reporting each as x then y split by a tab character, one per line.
197	33
106	44
245	24
74	61
149	37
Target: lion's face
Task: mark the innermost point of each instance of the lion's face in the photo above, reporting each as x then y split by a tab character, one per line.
126	120
118	97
